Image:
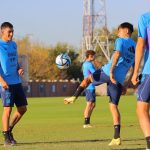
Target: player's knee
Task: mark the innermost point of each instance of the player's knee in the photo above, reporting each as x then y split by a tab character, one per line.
7	110
93	105
22	110
113	107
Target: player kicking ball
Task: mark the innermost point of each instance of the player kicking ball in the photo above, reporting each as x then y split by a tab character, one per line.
113	73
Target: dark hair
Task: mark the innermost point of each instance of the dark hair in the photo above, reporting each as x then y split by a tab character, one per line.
126	25
6	25
89	52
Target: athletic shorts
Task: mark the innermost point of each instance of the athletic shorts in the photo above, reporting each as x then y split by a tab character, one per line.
90	95
13	95
143	92
113	90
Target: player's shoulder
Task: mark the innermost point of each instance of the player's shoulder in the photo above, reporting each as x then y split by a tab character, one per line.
145	16
119	40
14	45
87	63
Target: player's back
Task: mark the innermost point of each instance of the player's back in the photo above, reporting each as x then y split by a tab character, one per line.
88	68
125	61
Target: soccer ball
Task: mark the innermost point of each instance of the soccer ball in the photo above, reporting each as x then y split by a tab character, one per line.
63	61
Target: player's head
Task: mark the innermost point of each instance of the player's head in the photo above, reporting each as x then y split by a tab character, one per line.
90	55
7	31
125	29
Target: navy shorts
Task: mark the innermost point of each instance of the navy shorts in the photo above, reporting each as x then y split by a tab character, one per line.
113	90
90	95
143	92
13	95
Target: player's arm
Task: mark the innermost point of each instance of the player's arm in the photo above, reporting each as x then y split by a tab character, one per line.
3	83
115	59
138	58
128	82
20	70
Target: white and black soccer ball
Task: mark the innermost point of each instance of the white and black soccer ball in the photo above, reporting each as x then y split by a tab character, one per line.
63	61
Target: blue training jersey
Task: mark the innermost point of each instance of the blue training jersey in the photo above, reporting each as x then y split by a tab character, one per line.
9	62
144	32
126	46
88	68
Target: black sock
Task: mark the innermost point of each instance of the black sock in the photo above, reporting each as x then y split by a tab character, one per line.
6	134
79	90
10	129
116	131
86	120
148	142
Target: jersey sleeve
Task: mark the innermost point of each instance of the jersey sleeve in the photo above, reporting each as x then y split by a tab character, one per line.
118	45
142	28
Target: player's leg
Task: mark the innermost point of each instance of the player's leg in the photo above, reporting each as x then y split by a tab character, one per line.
144	119
21	102
79	90
17	116
143	107
90	97
5	124
97	78
114	91
7	101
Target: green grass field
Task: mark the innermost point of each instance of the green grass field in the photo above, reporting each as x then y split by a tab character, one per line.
51	125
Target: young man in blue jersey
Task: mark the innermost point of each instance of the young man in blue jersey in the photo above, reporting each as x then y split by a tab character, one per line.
10	83
88	68
143	92
113	73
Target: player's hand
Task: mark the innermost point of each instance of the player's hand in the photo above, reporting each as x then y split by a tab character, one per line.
5	85
69	100
135	79
21	72
124	90
112	78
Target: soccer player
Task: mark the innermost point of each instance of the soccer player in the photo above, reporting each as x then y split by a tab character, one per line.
143	92
10	83
113	74
88	68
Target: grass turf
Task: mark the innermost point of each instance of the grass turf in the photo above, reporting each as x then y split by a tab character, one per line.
51	125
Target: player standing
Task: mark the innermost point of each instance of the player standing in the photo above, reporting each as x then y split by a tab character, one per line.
143	93
88	68
113	74
10	83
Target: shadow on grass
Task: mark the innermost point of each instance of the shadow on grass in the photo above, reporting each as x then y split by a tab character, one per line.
84	141
130	149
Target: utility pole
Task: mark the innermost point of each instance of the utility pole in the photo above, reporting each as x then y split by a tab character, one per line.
95	33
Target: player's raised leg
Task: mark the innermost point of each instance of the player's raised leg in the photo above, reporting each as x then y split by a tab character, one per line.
79	90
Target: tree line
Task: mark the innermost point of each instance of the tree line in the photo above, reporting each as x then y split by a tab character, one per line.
41	58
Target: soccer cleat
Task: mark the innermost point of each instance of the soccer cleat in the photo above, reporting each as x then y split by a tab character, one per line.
11	137
115	142
6	138
69	100
7	142
87	126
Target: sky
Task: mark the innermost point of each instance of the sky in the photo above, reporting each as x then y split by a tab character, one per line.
52	21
